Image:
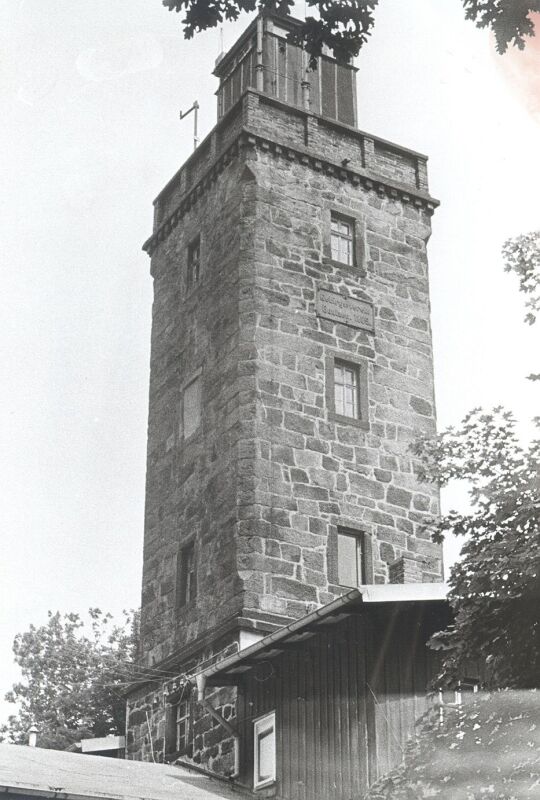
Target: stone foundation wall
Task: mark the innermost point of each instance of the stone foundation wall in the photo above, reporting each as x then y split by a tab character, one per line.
149	718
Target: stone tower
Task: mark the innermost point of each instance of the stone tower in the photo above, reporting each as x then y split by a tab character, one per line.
291	363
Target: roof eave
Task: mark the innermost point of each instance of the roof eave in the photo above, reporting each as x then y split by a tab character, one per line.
346	603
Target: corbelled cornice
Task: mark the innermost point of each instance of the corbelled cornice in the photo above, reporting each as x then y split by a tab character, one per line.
251	139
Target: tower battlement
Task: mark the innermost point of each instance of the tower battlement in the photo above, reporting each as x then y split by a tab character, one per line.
259	119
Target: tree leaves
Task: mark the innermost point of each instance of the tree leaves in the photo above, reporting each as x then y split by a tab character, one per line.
487	748
341	25
497	582
344	26
508	19
72	672
522	256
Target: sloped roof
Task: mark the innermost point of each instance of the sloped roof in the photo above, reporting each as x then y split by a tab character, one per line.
230	669
72	776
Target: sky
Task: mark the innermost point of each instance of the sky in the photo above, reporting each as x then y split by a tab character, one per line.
90	132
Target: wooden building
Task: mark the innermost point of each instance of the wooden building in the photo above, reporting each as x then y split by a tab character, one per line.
327	704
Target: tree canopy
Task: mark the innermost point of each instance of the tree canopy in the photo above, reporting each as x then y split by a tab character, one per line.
489	748
345	25
72	674
522	257
497	581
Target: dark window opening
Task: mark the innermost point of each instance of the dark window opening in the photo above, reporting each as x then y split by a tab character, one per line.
186	575
194	263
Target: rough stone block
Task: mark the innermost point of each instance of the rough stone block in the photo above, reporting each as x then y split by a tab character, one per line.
398	497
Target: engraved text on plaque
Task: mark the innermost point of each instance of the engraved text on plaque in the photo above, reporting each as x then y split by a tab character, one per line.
347	310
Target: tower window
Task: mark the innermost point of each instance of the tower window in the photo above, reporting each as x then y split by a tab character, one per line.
194	263
264	762
186	575
342	240
191	411
347	390
351	565
346	383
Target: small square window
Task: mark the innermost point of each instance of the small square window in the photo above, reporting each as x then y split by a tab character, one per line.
191	410
342	240
264	733
351	565
194	263
186	575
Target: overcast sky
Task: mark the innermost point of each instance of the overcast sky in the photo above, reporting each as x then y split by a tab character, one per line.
90	133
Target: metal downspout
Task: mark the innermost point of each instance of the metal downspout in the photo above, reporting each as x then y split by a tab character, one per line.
207	705
259	66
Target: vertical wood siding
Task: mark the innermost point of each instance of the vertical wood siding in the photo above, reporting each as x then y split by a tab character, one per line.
346	702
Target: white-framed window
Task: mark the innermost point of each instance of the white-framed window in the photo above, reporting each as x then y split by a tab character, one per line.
342	240
465	690
346	394
454	698
350	558
264	741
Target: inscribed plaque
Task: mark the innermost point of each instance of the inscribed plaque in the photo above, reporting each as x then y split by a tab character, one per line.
346	310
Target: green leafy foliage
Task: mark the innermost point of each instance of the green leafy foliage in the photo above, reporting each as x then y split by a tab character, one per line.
72	676
508	19
497	582
341	25
522	256
490	749
487	749
345	25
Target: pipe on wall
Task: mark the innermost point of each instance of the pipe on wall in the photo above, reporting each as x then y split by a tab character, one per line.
207	705
259	67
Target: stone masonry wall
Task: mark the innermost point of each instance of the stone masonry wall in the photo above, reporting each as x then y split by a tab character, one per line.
149	717
310	473
263	485
192	483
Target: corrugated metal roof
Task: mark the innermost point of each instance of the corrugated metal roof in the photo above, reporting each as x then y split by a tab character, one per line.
72	776
354	601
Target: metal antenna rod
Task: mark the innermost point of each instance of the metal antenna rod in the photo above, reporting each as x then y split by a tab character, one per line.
195	108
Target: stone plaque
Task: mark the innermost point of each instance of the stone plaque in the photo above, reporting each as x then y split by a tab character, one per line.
347	310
